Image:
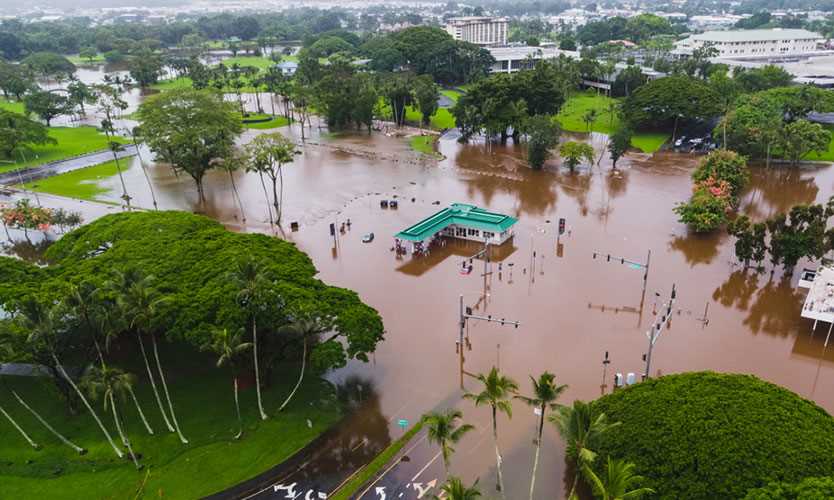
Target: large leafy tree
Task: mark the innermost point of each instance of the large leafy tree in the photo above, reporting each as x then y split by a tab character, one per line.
268	153
802	137
15	80
574	153
49	65
189	129
670	101
18	131
47	105
145	67
542	134
426	94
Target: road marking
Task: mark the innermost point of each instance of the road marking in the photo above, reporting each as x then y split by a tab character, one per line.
423	438
426	466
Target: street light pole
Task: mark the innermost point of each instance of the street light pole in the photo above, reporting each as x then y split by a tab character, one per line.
654	333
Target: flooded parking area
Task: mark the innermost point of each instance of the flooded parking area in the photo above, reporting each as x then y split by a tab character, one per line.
572	307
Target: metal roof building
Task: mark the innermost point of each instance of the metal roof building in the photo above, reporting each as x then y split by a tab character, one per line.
462	221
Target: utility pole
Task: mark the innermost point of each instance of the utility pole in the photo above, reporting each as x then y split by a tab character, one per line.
605	363
654	333
465	315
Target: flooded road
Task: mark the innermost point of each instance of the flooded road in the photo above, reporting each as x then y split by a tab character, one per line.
572	307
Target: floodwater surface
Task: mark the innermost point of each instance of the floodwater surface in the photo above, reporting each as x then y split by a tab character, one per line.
572	307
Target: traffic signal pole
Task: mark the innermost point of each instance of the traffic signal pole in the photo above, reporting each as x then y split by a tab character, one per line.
465	315
654	333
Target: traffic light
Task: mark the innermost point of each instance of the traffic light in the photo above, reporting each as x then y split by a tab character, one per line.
332	229
561	225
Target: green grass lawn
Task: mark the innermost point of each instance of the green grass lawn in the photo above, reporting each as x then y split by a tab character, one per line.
72	141
261	63
182	82
78	60
454	95
275	122
203	399
81	183
424	144
13	106
606	122
441	119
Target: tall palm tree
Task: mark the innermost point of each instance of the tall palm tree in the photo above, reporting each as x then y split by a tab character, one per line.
251	279
303	328
581	430
141	304
137	315
61	437
454	489
6	353
617	482
497	391
545	394
443	430
110	383
229	346
42	322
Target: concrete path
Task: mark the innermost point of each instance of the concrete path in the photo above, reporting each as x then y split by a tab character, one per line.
30	174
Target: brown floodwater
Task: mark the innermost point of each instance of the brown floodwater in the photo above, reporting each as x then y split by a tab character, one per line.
572	307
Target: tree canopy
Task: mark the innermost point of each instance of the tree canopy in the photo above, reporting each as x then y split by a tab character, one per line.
667	101
191	258
708	435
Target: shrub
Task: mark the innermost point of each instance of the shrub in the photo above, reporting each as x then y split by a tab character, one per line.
724	165
704	212
812	488
708	435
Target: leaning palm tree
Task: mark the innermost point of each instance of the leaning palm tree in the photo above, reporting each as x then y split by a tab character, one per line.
443	430
251	280
618	481
229	346
61	437
497	391
110	383
454	489
581	430
545	394
303	328
140	302
42	324
6	353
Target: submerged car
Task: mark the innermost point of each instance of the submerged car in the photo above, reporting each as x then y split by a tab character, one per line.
368	238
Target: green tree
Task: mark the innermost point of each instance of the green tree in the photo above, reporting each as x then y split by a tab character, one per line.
80	94
444	431
668	101
618	483
398	89
496	393
589	117
573	153
545	394
111	104
145	68
15	80
619	143
268	153
110	383
47	105
188	129
454	489
542	134
426	94
581	428
18	132
89	53
229	347
49	65
724	165
704	212
802	137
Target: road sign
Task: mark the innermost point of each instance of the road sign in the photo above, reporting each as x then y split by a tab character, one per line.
402	423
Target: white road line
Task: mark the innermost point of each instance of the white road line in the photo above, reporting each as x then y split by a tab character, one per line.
425	467
392	466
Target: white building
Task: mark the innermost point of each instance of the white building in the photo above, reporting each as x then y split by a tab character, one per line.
512	59
766	43
479	30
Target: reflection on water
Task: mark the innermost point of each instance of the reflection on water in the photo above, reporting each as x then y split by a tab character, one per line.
31	249
417	266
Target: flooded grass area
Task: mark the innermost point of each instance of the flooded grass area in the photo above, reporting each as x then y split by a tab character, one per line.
71	141
80	184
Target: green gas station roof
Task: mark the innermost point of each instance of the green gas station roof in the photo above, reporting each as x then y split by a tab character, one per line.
459	214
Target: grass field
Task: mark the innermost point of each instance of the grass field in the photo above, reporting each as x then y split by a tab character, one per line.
261	63
72	141
81	183
182	82
78	60
441	119
203	399
13	106
606	122
827	155
275	122
424	144
453	95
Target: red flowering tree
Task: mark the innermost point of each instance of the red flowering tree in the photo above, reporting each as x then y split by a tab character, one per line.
25	216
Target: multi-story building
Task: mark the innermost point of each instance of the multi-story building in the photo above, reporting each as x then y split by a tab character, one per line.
765	43
479	30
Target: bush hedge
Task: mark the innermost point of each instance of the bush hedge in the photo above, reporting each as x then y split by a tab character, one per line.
812	488
707	435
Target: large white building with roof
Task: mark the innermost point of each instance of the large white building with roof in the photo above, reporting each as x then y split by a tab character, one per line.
763	43
479	30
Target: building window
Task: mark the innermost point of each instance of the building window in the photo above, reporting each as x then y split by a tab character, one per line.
488	235
460	231
474	232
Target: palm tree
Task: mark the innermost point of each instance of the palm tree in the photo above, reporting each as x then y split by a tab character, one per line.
545	394
140	303
496	393
250	279
61	437
443	430
42	323
19	429
109	383
230	165
303	328
581	430
454	489
617	482
229	346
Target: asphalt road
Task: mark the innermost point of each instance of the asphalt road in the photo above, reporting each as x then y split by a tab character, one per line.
13	177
